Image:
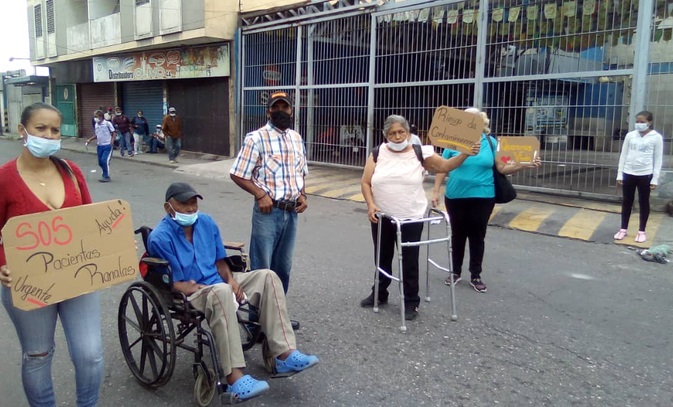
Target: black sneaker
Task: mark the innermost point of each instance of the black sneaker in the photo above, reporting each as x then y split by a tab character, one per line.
456	279
295	324
478	285
410	313
369	301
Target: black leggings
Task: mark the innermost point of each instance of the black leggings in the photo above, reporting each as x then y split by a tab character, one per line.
469	220
629	185
411	232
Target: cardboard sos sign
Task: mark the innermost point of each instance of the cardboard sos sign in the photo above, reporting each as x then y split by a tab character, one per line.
57	255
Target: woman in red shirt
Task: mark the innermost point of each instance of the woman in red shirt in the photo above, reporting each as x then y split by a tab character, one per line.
37	181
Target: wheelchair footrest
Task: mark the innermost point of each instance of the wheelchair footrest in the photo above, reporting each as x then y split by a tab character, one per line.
229	398
275	375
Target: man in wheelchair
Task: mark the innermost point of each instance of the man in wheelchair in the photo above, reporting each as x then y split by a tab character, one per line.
191	243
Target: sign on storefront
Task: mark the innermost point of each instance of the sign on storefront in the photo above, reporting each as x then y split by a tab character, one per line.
178	63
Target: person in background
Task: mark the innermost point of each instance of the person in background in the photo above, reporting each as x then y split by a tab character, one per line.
271	166
104	135
157	141
172	129
94	120
38	181
639	168
469	200
141	132
392	183
108	115
123	126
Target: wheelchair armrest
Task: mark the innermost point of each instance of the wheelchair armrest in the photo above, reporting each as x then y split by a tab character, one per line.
154	261
234	245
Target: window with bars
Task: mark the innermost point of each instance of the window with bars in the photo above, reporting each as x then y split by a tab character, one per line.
50	16
38	20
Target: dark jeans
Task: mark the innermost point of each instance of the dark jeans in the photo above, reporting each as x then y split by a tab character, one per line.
173	146
154	144
469	220
629	185
410	233
125	143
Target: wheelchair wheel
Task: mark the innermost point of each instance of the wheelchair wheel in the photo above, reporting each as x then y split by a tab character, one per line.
204	387
146	335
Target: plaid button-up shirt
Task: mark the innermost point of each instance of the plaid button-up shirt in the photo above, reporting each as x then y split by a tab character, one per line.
274	160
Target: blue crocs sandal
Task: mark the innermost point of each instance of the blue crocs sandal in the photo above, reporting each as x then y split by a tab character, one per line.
295	363
246	387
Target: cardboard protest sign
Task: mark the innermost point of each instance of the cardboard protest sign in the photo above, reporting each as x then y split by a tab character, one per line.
519	149
455	129
61	254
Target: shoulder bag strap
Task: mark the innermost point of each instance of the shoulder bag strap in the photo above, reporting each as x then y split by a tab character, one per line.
490	142
73	177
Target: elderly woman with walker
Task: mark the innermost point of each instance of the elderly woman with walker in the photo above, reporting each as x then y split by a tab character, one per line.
392	184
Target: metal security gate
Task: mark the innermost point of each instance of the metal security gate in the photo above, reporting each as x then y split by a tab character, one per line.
147	96
91	97
572	73
203	104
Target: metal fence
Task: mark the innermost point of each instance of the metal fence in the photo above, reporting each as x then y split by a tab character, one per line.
572	73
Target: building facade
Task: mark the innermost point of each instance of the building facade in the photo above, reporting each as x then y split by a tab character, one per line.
141	55
572	73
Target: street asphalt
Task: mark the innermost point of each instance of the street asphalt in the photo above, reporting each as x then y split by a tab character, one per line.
565	321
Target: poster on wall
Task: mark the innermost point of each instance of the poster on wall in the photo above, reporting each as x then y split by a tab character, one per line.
178	63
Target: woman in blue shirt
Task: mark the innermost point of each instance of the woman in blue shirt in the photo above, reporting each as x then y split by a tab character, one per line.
469	200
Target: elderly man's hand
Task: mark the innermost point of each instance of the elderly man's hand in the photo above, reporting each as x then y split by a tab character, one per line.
302	204
237	290
265	204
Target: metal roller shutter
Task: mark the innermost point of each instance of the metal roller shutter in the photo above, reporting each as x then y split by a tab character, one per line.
92	96
146	96
203	105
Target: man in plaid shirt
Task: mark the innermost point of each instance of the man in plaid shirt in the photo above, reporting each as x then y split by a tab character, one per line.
271	166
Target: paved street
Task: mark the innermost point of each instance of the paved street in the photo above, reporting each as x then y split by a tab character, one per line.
565	322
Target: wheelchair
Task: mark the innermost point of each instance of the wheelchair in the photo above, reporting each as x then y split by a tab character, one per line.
154	321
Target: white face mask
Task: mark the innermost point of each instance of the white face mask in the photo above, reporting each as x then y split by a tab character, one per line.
642	126
398	146
172	114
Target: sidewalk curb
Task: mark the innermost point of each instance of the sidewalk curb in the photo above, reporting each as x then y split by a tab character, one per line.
76	145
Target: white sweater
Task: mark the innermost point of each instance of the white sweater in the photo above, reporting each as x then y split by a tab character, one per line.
641	155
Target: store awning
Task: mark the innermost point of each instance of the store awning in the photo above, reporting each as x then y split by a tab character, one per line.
30	80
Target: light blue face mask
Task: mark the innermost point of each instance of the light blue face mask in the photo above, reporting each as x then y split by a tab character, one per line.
184	219
41	147
398	146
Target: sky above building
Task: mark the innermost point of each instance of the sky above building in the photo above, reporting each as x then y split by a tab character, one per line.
14	31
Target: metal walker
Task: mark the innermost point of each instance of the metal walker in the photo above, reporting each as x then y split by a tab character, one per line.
433	217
